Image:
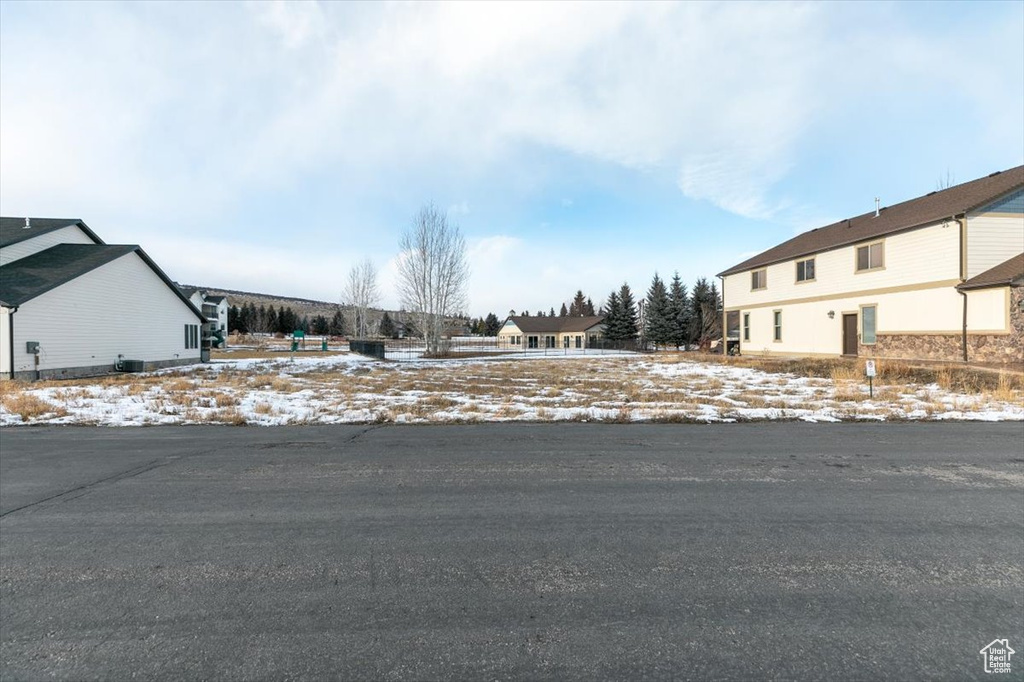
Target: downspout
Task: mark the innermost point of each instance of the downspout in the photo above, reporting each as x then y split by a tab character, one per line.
962	222
10	337
725	320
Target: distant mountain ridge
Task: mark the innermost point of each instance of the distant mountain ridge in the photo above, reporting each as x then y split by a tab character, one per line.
302	306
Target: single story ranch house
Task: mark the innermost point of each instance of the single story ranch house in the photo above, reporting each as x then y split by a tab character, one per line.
524	332
939	277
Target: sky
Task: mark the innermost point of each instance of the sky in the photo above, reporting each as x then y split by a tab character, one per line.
271	147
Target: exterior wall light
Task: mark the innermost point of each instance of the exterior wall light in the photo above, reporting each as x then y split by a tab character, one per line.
831	314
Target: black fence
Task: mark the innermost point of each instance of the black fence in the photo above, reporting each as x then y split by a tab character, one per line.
485	347
374	349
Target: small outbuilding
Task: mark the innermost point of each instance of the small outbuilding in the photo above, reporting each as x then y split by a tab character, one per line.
71	305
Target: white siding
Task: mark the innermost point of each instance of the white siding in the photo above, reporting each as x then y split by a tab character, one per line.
121	308
66	235
922	256
991	240
5	350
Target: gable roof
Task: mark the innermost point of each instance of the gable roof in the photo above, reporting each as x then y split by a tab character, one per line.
32	276
930	208
12	230
555	324
1007	273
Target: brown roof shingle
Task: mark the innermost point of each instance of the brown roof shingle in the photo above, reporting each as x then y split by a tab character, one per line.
930	208
555	325
1006	273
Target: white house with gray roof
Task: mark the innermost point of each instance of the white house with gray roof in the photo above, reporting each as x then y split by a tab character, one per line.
71	305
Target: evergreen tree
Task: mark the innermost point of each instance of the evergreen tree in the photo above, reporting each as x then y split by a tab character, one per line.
232	318
588	308
337	325
387	326
705	311
268	317
564	312
657	329
577	307
612	312
551	313
678	316
630	328
492	325
319	325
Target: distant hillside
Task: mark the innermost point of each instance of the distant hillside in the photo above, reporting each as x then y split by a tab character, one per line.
301	306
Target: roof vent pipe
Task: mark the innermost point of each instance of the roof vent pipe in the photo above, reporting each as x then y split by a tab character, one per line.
28	223
876	207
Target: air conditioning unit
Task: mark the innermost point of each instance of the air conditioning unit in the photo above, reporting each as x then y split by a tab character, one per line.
132	366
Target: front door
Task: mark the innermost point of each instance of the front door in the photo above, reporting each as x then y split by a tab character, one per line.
849	333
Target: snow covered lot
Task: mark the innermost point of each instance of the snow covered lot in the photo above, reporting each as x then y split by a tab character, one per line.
347	388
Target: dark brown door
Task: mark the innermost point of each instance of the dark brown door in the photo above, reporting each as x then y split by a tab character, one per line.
850	334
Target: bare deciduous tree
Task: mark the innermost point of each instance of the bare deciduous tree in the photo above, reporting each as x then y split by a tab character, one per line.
361	293
433	273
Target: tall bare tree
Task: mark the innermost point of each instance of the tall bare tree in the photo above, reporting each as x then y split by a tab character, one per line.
361	293
433	272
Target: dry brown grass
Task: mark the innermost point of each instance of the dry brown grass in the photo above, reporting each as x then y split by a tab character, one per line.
29	406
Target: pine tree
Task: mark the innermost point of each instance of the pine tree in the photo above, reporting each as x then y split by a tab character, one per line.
491	325
551	313
387	326
678	316
564	312
576	308
703	311
630	329
656	323
612	312
269	319
337	325
319	325
588	308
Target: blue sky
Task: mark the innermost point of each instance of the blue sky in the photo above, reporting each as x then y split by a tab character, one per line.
269	146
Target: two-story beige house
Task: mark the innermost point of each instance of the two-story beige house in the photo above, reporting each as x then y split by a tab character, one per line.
938	277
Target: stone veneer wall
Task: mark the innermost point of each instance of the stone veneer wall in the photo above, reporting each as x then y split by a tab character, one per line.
998	348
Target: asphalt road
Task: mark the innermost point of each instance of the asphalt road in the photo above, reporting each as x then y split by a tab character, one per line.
569	551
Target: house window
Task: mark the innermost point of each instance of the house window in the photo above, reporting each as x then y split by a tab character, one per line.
758	279
191	336
549	342
870	257
778	325
531	341
746	326
868	323
565	342
805	270
579	341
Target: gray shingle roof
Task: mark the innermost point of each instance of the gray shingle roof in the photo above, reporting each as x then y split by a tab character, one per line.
32	276
12	230
931	208
1006	273
554	325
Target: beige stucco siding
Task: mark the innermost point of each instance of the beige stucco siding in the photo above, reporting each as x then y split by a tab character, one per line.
807	328
66	235
992	239
122	307
988	310
923	256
